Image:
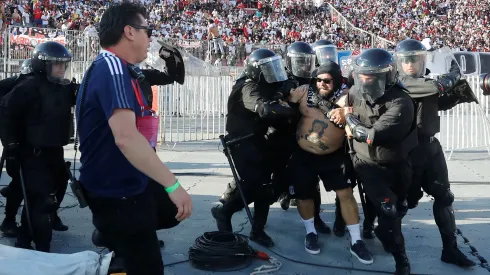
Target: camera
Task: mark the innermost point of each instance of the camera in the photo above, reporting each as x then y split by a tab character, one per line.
485	83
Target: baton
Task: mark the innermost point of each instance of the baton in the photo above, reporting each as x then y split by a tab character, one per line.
238	180
26	201
2	161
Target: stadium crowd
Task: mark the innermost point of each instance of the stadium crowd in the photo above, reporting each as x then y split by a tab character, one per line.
245	25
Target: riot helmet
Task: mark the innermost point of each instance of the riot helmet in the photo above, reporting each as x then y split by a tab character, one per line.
26	67
325	51
411	58
51	59
374	73
300	59
264	66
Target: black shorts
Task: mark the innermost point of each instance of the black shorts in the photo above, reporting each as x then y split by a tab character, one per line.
305	169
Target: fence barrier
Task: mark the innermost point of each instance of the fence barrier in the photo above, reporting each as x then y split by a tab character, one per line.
197	110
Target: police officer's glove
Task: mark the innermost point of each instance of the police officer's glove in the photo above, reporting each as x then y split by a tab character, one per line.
359	132
12	150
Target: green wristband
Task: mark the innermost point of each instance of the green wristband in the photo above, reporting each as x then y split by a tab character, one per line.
173	187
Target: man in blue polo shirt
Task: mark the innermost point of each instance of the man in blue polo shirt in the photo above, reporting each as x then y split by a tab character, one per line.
117	160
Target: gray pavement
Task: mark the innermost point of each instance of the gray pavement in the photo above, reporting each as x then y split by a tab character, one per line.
204	171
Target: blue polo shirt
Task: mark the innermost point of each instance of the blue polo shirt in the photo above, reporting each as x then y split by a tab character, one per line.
105	171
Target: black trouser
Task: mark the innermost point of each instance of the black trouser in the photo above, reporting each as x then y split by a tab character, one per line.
44	173
430	174
15	196
386	187
252	164
128	226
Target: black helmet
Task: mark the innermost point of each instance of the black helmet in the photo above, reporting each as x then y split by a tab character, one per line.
300	59
26	67
411	56
51	59
374	73
325	51
265	66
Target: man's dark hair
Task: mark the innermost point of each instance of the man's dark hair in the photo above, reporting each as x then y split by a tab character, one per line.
115	19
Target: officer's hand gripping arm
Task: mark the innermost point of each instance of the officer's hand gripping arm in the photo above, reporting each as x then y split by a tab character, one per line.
447	81
273	109
360	131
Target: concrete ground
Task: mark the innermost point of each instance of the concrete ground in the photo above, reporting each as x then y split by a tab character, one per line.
203	170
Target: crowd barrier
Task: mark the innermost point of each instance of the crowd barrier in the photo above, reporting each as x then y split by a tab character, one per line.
197	110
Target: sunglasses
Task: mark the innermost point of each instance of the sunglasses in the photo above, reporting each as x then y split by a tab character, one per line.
148	29
325	80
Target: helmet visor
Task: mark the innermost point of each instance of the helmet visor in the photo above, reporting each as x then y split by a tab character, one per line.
301	65
273	69
411	63
58	72
326	53
370	86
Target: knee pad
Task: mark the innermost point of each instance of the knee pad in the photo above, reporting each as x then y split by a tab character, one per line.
389	210
445	199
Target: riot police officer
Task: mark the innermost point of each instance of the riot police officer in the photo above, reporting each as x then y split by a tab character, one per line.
12	192
325	51
429	165
382	124
252	107
36	117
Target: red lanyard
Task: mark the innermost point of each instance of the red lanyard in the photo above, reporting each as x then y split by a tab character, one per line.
136	89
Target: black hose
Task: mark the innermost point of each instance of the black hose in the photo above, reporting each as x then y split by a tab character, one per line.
221	251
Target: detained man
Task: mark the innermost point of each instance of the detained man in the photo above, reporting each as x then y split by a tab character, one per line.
321	154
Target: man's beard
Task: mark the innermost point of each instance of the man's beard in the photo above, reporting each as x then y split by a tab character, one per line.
324	93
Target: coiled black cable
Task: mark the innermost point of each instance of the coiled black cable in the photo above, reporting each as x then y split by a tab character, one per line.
221	251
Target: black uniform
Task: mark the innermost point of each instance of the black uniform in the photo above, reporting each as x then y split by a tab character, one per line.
429	165
384	132
13	192
36	118
153	77
252	109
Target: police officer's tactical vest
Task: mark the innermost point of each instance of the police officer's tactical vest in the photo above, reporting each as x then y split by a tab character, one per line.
49	125
389	153
426	95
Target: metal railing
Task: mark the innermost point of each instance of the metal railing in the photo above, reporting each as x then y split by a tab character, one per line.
197	110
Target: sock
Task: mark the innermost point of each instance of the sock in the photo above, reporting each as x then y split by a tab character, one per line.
310	226
355	233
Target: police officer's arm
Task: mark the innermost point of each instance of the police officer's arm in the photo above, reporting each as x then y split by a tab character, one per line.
392	126
156	77
267	109
14	106
6	85
447	81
